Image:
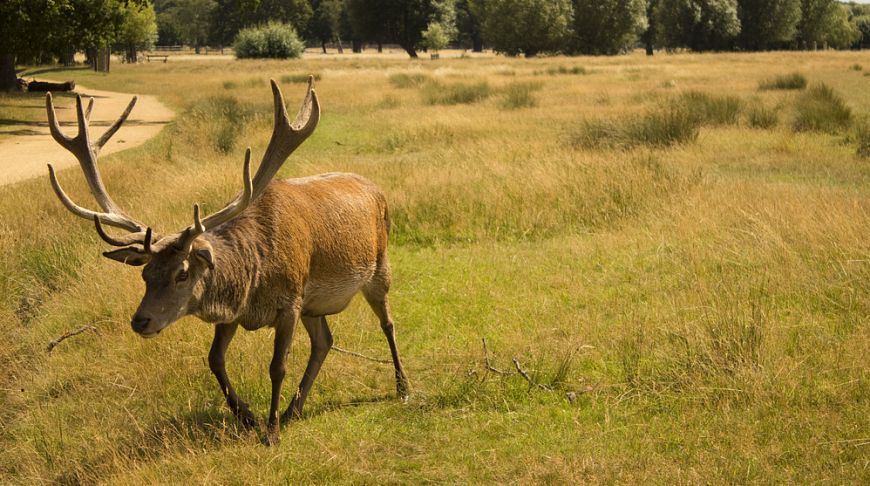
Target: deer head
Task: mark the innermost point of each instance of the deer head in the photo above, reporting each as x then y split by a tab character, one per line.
174	264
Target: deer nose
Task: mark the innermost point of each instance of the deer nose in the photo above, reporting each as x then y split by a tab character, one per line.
139	323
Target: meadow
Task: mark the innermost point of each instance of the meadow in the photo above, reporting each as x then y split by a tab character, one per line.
675	249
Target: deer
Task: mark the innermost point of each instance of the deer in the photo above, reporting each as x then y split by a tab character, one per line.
279	252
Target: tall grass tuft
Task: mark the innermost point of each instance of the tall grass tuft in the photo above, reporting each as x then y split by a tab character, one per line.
519	95
436	93
711	109
661	127
298	78
784	82
225	117
821	109
862	138
760	116
405	80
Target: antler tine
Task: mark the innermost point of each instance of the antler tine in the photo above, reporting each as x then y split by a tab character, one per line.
110	219
90	108
86	154
141	237
286	137
230	211
115	126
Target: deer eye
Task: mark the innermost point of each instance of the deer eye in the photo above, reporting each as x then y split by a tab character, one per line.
182	276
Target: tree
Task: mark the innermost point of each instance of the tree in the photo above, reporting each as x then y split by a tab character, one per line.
767	24
825	23
650	35
399	21
526	27
138	29
191	20
700	25
435	37
468	27
230	16
326	22
607	26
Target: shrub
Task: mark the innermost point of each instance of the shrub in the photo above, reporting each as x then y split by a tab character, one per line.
713	110
784	82
519	95
760	116
272	40
821	109
663	127
404	80
435	93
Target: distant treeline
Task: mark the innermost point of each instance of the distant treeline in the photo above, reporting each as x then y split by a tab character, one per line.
530	27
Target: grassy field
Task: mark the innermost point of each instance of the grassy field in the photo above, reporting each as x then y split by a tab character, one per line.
677	247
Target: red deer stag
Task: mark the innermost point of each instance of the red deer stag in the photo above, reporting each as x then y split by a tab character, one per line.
280	251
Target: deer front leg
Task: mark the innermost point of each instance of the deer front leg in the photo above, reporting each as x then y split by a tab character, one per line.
223	334
284	327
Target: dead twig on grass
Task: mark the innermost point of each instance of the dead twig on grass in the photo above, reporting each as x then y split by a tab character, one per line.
54	342
532	383
489	366
358	355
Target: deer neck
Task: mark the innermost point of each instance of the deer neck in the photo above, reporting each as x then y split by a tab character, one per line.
225	290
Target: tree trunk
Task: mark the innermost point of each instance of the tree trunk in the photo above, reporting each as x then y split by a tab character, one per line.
132	55
649	49
380	47
411	51
196	49
68	56
357	46
8	78
340	48
323	46
477	44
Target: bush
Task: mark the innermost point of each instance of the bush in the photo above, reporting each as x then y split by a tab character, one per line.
404	81
273	40
663	127
821	109
784	82
713	110
760	116
519	95
435	93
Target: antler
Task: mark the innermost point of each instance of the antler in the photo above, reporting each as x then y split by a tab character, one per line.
286	137
87	153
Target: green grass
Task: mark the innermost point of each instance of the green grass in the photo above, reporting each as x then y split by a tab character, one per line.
712	109
519	95
705	305
663	126
821	109
793	81
760	116
438	93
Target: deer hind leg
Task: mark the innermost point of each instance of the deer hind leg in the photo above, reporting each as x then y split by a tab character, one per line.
321	343
223	334
375	293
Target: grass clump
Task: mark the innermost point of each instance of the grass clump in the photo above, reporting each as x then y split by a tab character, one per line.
856	67
712	110
784	82
663	127
519	95
224	116
298	78
405	80
821	109
759	116
862	138
435	93
574	70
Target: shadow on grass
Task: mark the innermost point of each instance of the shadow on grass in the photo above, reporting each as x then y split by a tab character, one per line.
54	69
333	405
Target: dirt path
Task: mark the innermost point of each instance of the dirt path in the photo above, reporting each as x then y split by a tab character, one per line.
26	156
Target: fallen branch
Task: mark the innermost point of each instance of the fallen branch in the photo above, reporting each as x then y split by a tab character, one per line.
358	355
489	366
528	378
54	342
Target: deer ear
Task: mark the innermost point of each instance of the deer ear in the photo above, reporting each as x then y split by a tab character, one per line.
206	256
130	255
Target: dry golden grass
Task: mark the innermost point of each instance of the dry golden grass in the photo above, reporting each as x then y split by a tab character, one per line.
707	303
